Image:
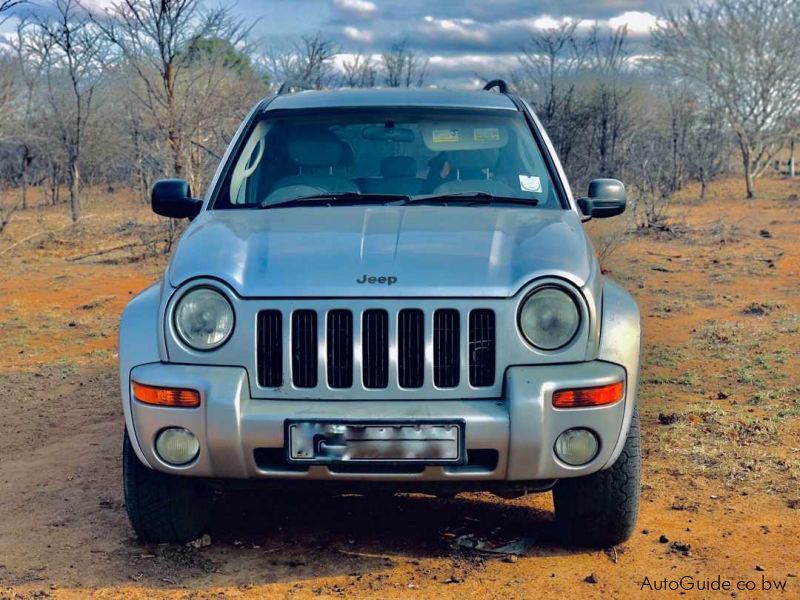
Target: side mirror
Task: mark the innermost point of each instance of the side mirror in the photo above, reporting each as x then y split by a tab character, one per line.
606	199
173	198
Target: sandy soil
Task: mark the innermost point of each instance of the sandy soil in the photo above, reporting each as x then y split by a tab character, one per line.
720	298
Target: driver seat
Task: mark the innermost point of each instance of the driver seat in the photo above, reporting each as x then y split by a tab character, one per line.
316	152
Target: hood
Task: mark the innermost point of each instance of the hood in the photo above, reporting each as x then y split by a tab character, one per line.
374	251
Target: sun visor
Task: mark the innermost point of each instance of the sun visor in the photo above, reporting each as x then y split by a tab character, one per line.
453	135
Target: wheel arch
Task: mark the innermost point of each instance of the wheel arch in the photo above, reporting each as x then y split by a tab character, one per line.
621	343
139	343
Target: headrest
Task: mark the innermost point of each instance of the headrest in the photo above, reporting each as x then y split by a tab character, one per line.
473	159
314	147
398	166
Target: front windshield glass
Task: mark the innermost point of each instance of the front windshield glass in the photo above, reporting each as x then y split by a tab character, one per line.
386	155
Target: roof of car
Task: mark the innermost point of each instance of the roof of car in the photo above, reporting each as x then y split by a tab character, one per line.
357	97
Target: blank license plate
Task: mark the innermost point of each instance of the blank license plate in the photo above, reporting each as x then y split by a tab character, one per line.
321	442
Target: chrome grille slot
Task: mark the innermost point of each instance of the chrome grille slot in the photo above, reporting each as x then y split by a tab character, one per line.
482	350
446	360
411	348
375	348
340	348
304	348
269	354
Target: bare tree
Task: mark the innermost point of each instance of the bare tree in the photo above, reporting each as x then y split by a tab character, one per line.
7	79
580	87
549	65
550	68
25	123
359	71
154	38
73	54
709	144
310	61
607	60
403	68
745	54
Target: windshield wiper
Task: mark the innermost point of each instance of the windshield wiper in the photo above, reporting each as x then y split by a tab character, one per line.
471	199
339	199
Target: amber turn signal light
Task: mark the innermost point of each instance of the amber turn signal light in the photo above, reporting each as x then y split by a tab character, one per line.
162	396
593	396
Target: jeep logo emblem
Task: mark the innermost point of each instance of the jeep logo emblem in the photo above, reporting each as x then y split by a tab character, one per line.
377	279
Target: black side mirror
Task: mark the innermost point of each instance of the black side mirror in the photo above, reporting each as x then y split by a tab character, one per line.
606	199
173	198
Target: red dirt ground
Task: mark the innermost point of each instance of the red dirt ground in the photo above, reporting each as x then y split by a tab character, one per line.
720	300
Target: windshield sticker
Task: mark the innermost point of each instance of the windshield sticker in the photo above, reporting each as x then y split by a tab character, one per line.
486	134
445	136
529	183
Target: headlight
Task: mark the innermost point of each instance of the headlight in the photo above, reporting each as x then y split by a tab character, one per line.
204	318
549	318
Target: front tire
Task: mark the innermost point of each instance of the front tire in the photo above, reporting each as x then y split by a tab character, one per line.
161	507
600	510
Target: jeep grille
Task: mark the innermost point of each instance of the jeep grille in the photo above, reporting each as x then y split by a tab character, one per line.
364	352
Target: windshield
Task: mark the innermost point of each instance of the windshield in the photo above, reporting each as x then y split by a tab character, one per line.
385	155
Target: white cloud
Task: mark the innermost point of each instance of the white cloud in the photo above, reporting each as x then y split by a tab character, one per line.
97	5
537	24
636	21
359	7
473	63
360	36
548	22
455	29
345	57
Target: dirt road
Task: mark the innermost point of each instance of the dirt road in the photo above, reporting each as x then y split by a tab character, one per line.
721	304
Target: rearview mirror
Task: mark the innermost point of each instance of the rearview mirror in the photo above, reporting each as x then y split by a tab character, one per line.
383	133
606	199
173	198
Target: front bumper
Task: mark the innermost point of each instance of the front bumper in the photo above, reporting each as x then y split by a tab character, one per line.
236	431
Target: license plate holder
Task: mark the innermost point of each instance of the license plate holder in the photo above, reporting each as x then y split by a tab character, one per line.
432	442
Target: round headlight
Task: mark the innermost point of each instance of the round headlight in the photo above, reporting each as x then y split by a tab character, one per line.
204	318
549	318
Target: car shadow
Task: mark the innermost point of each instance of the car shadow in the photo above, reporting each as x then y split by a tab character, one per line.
315	535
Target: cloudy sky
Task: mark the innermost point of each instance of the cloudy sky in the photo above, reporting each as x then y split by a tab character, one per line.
461	37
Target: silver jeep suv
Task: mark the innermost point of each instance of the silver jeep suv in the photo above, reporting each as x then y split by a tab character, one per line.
384	289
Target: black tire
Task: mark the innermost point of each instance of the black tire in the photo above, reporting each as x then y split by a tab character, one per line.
161	507
600	510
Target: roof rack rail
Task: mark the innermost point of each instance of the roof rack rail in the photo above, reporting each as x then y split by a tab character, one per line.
497	83
288	87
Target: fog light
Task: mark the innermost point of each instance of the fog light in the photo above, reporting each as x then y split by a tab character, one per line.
177	446
577	446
